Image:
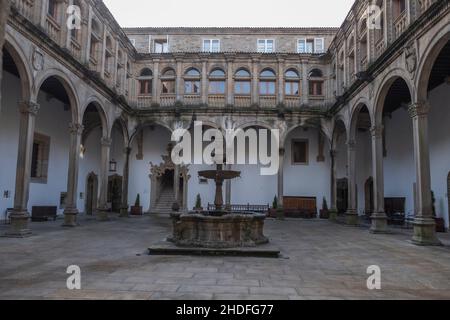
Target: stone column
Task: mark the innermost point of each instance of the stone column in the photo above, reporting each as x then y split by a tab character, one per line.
379	218
155	84
126	173
228	190
230	86
19	217
176	185
255	82
424	223
351	215
71	211
103	198
4	13
333	204
204	84
280	82
281	178
179	81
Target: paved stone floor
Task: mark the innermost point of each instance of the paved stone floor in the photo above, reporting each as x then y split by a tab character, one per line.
322	260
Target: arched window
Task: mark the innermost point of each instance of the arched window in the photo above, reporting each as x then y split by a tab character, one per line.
217	82
52	9
291	83
242	82
145	81
168	81
108	56
399	8
315	82
95	41
192	83
267	82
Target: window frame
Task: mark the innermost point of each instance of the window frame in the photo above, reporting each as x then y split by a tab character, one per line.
306	142
265	45
210	41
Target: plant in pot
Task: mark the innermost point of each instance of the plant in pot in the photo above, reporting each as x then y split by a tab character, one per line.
198	204
279	212
440	222
136	210
273	209
324	213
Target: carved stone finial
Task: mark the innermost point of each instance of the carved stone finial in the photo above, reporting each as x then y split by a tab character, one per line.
419	109
29	107
76	128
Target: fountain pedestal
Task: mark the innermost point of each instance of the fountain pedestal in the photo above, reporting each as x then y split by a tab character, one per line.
227	231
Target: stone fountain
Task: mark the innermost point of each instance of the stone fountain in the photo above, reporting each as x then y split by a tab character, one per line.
220	228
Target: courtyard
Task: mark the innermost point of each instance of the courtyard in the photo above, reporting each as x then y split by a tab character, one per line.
320	260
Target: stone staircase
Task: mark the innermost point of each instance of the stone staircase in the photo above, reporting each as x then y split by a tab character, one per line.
165	202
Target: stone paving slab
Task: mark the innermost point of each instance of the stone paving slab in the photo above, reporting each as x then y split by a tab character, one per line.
320	260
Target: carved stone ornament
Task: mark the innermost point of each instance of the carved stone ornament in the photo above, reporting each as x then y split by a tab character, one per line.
37	59
411	57
158	171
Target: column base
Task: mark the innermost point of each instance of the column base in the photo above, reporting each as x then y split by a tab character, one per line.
124	212
19	226
379	223
102	215
425	232
70	218
351	218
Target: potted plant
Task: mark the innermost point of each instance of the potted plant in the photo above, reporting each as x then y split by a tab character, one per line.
273	209
198	204
324	213
440	222
136	210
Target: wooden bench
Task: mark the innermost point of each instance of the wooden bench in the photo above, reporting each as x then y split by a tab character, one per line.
300	207
43	213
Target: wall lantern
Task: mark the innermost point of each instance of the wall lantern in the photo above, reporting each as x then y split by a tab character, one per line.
112	166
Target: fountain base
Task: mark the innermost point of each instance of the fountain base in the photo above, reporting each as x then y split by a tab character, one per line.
218	230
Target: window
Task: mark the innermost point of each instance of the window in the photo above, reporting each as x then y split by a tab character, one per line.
145	82
211	45
242	83
292	83
300	152
266	46
161	46
267	82
192	81
399	7
39	158
168	82
316	83
217	82
316	45
53	9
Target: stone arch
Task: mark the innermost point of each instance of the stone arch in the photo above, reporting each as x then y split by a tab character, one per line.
242	67
354	119
335	126
20	60
217	66
123	129
101	111
141	127
68	87
383	89
431	53
256	123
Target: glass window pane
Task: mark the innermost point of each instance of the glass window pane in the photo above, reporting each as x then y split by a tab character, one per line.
217	87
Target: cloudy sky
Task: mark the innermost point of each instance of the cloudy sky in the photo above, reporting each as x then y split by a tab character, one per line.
225	13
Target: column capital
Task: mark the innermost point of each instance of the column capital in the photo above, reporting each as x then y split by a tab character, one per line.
333	153
76	128
29	107
106	142
351	145
377	131
419	109
127	151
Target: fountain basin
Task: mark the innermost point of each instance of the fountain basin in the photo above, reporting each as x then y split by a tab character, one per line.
232	230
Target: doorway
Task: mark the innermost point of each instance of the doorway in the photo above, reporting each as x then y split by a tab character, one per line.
91	193
368	196
115	192
342	195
